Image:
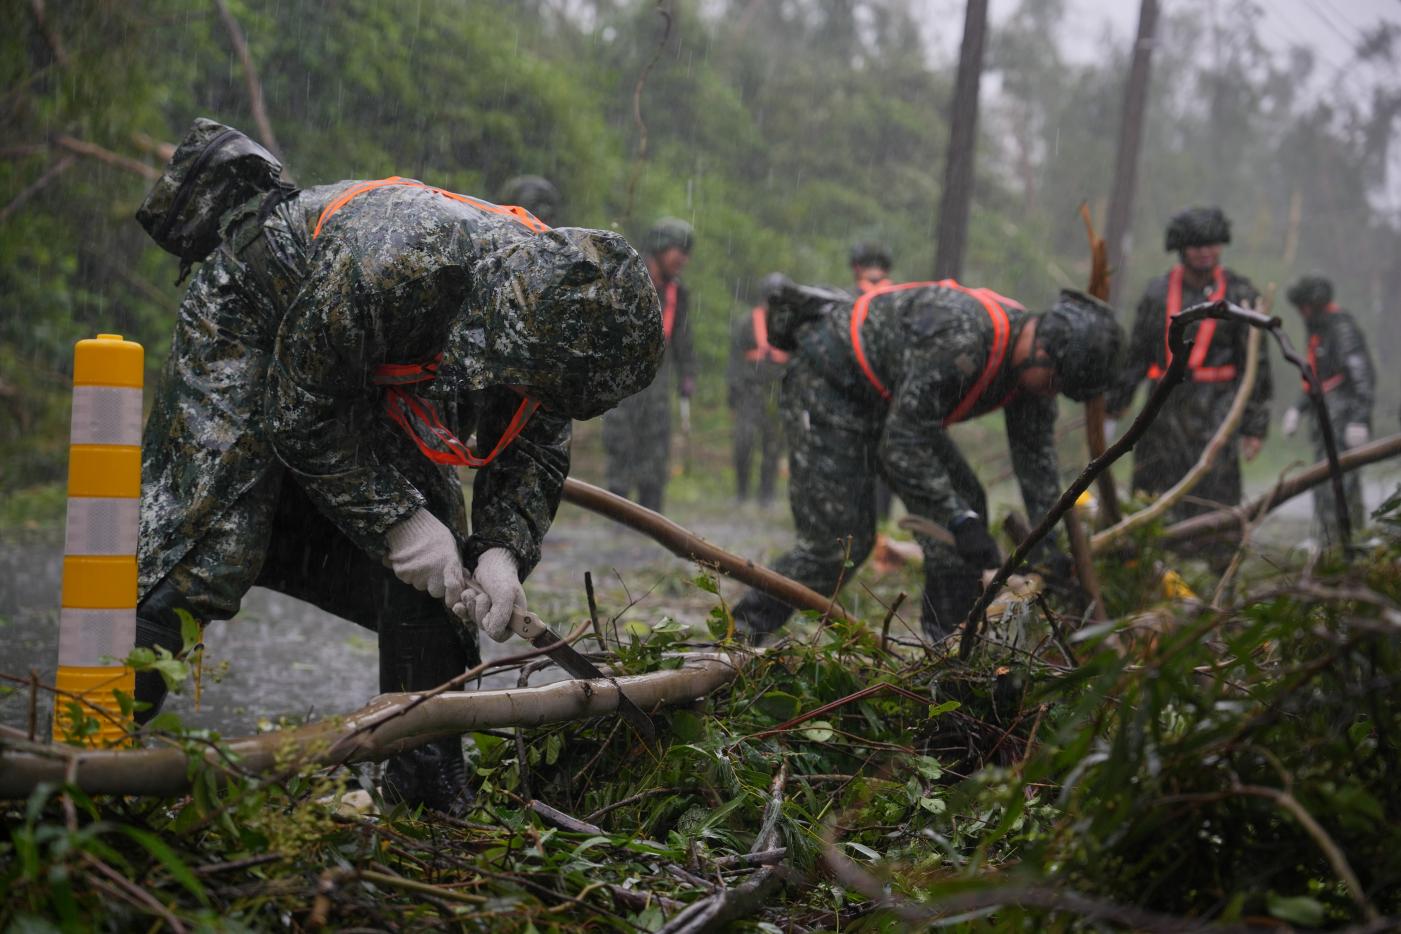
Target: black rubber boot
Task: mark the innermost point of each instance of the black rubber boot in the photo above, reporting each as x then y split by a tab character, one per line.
757	615
158	625
419	648
948	596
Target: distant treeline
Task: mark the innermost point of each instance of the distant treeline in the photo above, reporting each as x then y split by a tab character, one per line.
783	131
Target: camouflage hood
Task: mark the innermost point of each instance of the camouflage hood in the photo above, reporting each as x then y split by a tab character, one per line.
215	168
570	314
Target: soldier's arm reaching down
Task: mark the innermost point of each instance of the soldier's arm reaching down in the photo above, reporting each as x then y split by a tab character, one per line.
514	498
1143	346
320	400
1031	436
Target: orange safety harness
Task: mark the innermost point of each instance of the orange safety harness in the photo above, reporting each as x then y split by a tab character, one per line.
415	415
1206	330
996	307
669	310
763	350
865	285
1316	341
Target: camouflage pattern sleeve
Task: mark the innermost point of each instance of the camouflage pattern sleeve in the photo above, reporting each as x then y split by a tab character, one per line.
320	403
914	434
514	498
1142	351
1031	436
1351	349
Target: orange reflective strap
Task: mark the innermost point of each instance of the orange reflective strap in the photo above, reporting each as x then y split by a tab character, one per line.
763	350
859	311
1332	382
518	214
669	310
1206	330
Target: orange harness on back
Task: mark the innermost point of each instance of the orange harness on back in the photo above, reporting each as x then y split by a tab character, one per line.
1316	341
411	412
763	350
1206	330
992	303
669	310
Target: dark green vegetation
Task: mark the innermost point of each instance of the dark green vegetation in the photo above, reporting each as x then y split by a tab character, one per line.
1190	763
783	131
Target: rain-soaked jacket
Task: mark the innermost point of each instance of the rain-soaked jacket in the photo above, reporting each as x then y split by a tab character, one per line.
1338	352
274	364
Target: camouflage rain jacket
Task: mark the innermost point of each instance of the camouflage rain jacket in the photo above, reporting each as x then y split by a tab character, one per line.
1339	351
928	346
277	340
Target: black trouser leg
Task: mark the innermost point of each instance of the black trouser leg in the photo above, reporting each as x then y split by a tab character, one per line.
757	614
419	649
948	596
158	626
649	495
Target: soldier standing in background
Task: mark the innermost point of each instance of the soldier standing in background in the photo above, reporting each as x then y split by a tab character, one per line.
1197	407
328	355
871	389
536	194
1339	358
756	370
637	434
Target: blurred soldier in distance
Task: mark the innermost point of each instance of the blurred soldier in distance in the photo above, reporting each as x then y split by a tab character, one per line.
1337	353
637	434
1197	407
871	262
536	194
755	372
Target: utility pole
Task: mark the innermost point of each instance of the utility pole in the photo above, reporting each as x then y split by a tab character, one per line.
1117	233
963	140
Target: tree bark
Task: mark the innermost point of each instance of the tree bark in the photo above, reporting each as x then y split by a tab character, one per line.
250	78
389	724
692	547
957	200
1130	139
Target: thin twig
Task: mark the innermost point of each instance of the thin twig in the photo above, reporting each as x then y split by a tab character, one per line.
637	120
250	77
36	186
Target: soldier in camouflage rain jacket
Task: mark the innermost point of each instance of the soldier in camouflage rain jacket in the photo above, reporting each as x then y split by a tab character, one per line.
872	386
271	456
1337	352
1198	406
637	434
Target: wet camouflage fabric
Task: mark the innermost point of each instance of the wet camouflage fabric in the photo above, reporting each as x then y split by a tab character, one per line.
753	389
1341	351
214	167
928	346
267	396
637	433
1194	410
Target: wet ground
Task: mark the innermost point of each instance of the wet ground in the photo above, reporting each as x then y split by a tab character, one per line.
280	658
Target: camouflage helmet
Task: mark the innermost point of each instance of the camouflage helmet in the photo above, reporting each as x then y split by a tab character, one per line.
1197	227
1314	291
871	253
535	193
1084	339
669	233
569	314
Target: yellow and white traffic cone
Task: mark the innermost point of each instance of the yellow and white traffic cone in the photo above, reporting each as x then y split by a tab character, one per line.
97	620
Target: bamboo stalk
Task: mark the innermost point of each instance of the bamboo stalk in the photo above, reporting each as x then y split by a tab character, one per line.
400	722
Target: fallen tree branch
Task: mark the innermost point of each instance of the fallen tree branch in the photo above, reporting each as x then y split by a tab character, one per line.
685	544
102	154
1225	519
382	729
41	22
1178	348
1225	432
36	186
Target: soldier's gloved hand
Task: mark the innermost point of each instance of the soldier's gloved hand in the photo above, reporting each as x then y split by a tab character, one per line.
423	554
1111	430
493	594
1290	423
973	542
1356	435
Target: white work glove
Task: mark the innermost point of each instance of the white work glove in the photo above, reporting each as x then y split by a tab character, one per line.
423	554
1356	435
1290	424
492	594
1111	430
